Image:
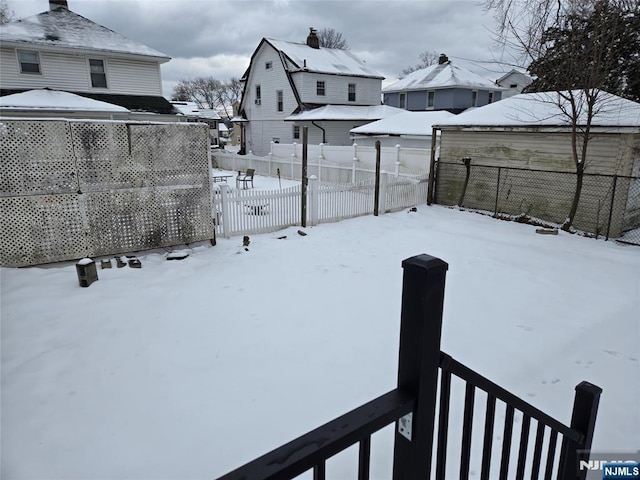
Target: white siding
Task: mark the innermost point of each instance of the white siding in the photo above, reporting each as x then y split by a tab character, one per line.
368	90
71	72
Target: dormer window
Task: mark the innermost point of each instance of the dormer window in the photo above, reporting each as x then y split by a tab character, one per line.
431	97
98	73
268	65
29	61
474	98
490	97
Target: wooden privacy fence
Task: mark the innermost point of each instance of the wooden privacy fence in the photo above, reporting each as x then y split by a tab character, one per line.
241	212
421	407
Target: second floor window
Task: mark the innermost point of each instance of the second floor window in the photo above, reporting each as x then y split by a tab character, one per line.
352	92
403	100
320	88
258	95
98	73
29	61
279	100
268	65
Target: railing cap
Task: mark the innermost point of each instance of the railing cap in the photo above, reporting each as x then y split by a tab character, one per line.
424	261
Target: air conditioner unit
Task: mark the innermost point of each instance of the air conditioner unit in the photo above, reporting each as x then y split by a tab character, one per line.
258	101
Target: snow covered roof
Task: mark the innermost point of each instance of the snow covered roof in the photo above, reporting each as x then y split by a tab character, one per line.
323	60
405	123
191	109
542	109
44	99
444	75
346	112
62	28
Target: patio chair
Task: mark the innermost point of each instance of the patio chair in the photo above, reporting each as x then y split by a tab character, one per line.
245	178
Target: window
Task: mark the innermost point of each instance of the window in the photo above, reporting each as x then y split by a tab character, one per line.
513	85
474	98
296	132
268	65
490	97
431	96
279	100
29	61
98	75
320	88
403	100
275	139
352	92
258	95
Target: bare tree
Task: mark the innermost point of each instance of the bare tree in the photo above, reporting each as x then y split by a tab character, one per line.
6	14
573	47
208	92
330	38
427	58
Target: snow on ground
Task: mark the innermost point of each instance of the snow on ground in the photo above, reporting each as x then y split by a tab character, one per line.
187	369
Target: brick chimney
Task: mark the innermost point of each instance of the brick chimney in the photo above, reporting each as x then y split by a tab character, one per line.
53	4
443	59
312	38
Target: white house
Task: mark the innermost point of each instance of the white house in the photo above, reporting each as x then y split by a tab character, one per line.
514	81
287	78
61	50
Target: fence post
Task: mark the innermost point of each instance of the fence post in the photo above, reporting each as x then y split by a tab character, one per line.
355	159
303	197
398	147
320	158
418	361
583	419
432	168
224	201
376	193
613	197
312	203
293	155
495	208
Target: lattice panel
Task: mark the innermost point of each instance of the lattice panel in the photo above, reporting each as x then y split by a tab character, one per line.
177	152
41	229
104	159
136	187
37	158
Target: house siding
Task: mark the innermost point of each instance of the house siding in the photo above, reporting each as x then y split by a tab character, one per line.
368	90
445	99
71	73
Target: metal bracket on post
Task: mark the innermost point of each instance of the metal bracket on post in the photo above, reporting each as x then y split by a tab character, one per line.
405	425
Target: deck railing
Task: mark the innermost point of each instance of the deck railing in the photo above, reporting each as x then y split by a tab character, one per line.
420	406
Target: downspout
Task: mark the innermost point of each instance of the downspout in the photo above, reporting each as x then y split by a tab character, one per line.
324	133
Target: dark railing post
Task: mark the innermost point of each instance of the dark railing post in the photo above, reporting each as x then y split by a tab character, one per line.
418	362
613	198
583	419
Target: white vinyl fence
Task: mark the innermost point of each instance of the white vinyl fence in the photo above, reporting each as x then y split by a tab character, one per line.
242	212
338	164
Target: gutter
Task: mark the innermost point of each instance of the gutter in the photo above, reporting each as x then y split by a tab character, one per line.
324	133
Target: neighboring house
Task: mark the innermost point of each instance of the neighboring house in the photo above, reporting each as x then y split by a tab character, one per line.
407	129
286	78
61	50
444	86
529	132
515	81
192	113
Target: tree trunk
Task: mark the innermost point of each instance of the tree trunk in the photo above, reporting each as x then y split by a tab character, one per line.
568	223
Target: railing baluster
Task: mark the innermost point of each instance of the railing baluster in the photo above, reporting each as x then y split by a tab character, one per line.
488	437
364	458
551	455
524	440
506	443
465	455
319	471
443	424
537	452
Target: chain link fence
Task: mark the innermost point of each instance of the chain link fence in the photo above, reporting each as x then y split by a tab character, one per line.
609	205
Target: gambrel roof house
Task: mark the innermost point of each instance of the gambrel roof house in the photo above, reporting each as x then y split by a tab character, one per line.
61	50
444	86
287	78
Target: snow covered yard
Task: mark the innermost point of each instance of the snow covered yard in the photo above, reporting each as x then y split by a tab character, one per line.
187	369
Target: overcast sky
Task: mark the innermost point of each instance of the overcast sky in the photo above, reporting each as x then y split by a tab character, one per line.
216	38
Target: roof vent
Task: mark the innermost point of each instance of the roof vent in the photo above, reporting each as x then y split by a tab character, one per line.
312	38
443	59
53	4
